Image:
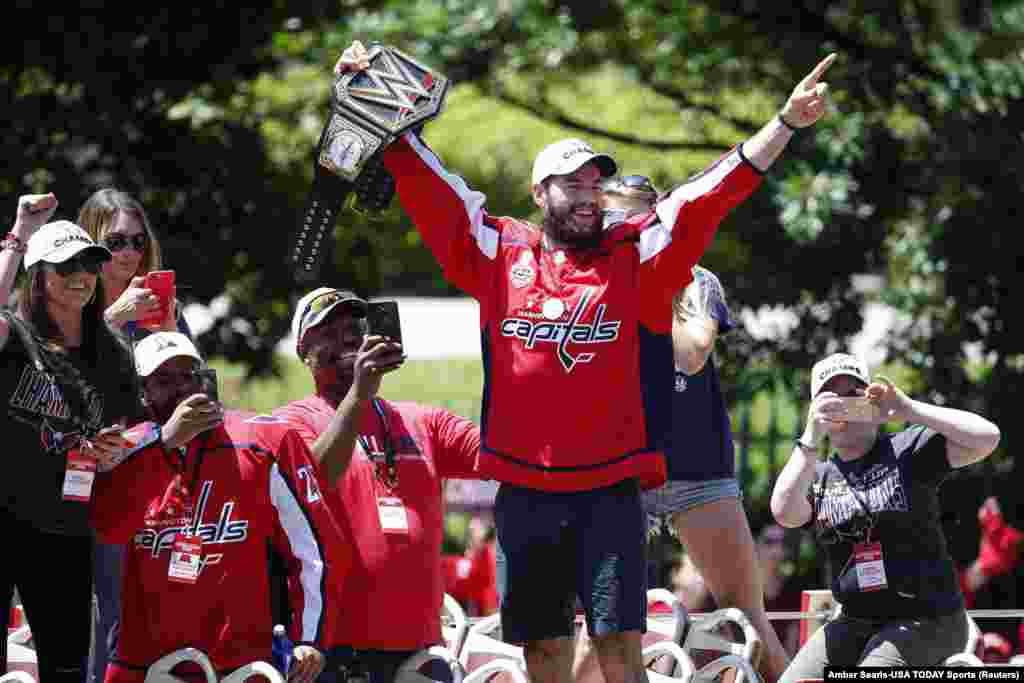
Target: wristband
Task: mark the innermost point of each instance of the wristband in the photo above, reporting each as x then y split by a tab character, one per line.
785	124
14	243
805	446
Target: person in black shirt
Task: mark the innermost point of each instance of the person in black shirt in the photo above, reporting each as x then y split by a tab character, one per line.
873	505
67	387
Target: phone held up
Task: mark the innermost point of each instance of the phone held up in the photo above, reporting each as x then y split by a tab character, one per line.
208	382
382	319
860	409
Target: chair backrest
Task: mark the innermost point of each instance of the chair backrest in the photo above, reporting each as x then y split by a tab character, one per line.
722	633
504	670
454	625
973	636
409	671
665	626
257	668
17	677
666	660
482	646
160	670
963	659
21	658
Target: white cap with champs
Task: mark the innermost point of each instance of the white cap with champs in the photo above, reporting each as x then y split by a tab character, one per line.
565	156
837	364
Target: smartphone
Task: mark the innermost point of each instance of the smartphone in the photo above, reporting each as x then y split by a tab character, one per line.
208	382
161	282
860	409
382	319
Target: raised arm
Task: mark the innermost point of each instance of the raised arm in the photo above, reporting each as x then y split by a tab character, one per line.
700	314
33	211
969	437
333	449
789	503
805	106
448	214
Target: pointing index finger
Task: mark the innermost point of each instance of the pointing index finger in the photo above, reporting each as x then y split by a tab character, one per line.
820	69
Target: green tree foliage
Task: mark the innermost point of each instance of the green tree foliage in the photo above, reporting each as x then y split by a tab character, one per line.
209	114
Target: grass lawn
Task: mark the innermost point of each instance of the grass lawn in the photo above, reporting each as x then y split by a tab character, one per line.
455	384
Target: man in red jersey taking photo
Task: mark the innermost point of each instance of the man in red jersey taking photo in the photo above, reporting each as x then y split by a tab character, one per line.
381	464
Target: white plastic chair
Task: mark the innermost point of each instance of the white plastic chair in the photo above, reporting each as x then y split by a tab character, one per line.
17	677
454	625
408	671
743	656
257	668
505	668
481	647
671	629
21	659
160	670
963	659
681	666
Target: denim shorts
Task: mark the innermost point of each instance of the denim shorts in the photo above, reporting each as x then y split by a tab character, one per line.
680	496
557	548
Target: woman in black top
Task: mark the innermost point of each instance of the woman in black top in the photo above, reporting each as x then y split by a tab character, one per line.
66	386
874	507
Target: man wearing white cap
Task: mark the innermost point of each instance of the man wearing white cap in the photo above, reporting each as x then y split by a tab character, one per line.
873	505
201	498
66	389
569	312
381	464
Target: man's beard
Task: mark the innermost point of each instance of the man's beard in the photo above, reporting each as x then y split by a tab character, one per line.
560	225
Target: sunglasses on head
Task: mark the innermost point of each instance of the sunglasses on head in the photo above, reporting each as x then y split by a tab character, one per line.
73	265
321	303
635	183
117	242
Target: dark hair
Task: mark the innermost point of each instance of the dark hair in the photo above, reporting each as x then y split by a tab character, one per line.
99	344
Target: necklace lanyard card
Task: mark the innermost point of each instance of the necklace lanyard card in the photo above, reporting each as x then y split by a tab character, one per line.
186	559
393	517
79	475
870	568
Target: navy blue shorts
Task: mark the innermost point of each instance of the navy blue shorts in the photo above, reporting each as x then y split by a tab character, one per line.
558	548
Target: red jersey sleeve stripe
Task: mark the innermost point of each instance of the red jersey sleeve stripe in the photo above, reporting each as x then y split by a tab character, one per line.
305	548
658	236
485	235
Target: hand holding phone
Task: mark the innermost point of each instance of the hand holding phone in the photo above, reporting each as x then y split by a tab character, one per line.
859	409
382	319
161	283
208	381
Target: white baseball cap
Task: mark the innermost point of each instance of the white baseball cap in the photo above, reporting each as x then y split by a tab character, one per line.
834	365
314	308
152	351
58	241
565	156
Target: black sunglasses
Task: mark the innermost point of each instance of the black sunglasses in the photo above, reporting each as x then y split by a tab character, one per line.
116	242
73	265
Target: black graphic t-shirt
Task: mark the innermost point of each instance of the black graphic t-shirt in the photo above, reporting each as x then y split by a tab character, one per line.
38	432
895	497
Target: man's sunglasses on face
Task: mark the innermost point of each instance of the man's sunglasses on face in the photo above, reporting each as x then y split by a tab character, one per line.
73	265
117	242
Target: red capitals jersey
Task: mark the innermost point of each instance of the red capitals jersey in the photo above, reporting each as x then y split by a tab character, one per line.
253	488
576	343
391	598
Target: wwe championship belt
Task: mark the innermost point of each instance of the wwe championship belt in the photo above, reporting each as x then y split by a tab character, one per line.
369	110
